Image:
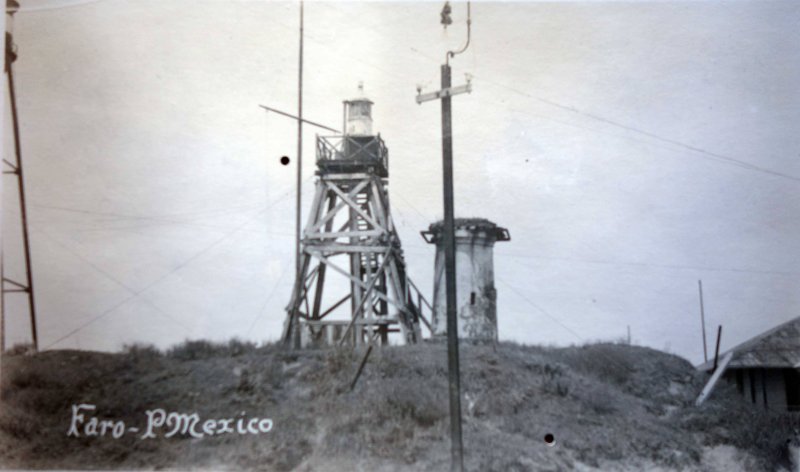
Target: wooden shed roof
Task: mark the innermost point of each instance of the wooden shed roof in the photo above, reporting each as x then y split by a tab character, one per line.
776	348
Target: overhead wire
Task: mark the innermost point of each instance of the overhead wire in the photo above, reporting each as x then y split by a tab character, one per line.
61	5
717	158
540	309
261	312
165	217
185	263
704	153
606	357
714	156
650	264
107	275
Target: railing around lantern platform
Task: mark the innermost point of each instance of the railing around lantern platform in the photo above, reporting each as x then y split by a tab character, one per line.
349	154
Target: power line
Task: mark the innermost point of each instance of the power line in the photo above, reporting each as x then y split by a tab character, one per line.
540	309
622	263
168	274
269	297
108	276
400	195
124	216
717	157
707	154
167	219
91	321
153	221
655	265
710	155
61	5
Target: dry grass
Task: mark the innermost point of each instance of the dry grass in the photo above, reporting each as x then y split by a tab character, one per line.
729	420
605	404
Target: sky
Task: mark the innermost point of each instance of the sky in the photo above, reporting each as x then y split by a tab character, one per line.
631	149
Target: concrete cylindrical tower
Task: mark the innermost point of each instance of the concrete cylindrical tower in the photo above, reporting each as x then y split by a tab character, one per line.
476	296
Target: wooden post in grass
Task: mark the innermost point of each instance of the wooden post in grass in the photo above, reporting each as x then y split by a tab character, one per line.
712	382
360	368
716	351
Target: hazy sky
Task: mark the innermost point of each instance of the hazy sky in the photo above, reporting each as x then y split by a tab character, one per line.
630	148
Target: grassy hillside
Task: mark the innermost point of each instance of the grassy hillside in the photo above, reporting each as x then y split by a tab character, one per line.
609	407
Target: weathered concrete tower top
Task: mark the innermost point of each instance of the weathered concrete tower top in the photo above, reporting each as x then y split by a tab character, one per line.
476	296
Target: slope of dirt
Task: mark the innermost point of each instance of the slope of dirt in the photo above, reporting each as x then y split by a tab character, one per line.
609	407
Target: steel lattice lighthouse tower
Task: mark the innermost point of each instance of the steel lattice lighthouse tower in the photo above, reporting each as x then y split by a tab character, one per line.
350	236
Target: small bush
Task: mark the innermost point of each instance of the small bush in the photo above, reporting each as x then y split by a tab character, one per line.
557	387
20	349
417	404
600	399
247	383
203	349
730	420
340	359
27	378
17	426
193	350
606	362
237	347
141	351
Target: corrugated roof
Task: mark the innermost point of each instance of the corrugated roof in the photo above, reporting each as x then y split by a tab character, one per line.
776	348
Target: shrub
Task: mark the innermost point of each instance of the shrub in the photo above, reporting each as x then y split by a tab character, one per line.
141	351
28	378
606	362
193	350
203	349
415	403
237	347
20	349
17	426
558	387
599	398
340	359
729	420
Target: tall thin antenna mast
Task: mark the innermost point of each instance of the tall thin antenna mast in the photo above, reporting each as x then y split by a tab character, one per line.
298	269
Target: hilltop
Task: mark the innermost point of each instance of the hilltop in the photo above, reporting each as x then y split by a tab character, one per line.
608	406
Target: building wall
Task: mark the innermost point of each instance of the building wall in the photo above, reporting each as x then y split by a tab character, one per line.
476	296
763	387
776	389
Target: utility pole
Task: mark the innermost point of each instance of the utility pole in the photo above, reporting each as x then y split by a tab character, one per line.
450	279
15	168
448	236
703	320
